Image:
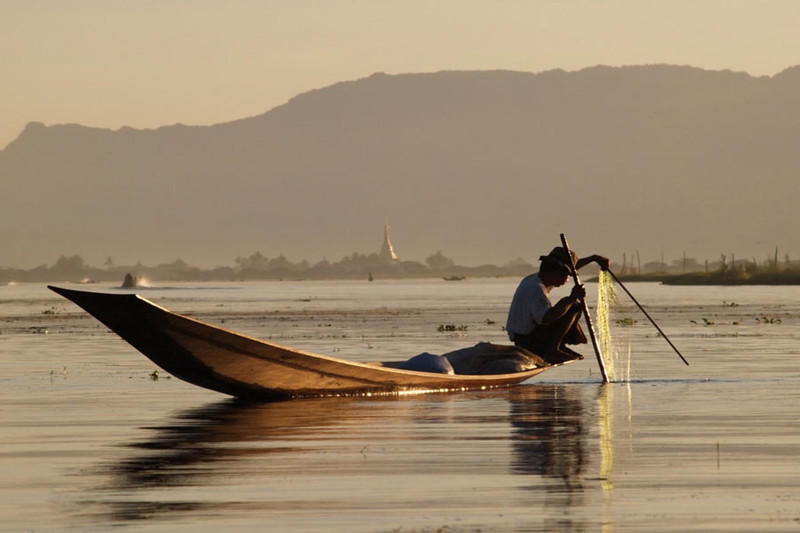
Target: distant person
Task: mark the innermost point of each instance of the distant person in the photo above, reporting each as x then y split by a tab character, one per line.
541	327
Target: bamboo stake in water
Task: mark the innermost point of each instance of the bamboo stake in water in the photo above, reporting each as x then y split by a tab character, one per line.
616	279
586	315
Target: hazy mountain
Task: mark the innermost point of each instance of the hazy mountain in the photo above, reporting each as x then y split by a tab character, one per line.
485	166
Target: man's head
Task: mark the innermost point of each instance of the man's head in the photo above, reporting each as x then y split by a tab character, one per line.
556	266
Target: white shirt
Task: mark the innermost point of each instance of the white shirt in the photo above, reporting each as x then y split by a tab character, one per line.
531	301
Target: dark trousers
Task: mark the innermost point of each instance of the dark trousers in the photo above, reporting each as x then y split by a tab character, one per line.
547	341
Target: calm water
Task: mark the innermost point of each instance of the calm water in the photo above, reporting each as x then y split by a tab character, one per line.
90	441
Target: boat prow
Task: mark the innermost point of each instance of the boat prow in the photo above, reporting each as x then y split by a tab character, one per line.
246	367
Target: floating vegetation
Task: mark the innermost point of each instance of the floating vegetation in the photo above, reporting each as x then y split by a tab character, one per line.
627	321
441	328
706	321
155	376
768	320
727	277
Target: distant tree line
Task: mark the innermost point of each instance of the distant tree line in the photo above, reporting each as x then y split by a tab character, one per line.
727	270
257	266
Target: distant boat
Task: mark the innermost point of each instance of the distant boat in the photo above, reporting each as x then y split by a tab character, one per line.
454	278
246	367
132	282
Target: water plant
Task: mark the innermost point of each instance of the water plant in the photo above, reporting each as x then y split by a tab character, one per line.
450	327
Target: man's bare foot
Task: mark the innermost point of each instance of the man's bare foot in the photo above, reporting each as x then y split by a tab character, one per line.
569	353
562	355
572	353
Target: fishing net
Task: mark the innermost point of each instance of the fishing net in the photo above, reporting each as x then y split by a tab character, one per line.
607	329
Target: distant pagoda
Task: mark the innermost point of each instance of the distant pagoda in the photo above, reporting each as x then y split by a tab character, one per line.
387	252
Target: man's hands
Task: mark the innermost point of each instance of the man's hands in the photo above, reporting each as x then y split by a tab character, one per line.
601	261
567	304
578	293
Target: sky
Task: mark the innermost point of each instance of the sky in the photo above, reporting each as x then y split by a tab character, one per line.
149	63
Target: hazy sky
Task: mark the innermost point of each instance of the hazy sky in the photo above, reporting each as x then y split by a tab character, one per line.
147	63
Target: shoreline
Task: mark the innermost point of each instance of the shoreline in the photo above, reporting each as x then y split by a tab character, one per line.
718	278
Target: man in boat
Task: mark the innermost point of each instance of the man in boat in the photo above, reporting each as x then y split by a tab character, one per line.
534	323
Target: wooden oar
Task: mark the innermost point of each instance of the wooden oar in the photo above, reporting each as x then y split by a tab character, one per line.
586	315
616	279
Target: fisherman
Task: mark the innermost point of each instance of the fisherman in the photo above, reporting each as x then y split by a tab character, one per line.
541	327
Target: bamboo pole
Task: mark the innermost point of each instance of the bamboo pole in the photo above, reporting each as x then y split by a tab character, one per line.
616	279
586	315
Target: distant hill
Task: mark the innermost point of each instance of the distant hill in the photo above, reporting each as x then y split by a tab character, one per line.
485	166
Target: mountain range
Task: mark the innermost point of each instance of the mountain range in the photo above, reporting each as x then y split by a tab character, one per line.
486	166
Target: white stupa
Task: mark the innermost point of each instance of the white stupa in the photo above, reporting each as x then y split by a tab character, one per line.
387	252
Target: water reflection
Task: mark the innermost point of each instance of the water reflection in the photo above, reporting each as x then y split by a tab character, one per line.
252	450
549	440
203	448
605	417
217	433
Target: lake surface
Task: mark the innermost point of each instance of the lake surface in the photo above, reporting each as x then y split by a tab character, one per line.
93	440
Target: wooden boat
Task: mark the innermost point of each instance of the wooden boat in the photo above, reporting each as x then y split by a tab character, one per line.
247	367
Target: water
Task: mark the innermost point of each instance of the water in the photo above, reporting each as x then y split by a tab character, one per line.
90	441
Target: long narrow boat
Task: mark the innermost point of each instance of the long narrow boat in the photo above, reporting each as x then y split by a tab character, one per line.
247	367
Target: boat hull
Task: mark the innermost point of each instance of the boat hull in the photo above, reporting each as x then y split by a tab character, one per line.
246	367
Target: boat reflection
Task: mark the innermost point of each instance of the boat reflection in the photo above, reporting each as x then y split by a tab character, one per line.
378	439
